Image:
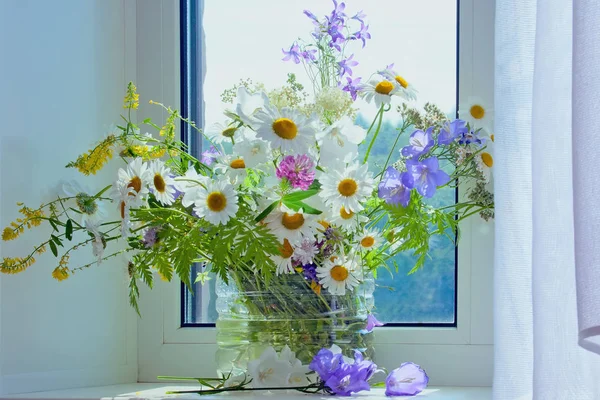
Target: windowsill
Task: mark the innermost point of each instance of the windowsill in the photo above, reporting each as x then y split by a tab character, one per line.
155	391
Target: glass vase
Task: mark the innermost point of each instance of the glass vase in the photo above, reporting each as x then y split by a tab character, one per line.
286	310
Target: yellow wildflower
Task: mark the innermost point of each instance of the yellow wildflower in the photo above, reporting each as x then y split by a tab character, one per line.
41	249
96	158
15	265
10	233
60	273
132	98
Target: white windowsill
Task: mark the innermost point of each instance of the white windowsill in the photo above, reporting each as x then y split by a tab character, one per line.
155	391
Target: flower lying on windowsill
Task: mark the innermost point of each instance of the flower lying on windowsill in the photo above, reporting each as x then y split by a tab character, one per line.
329	372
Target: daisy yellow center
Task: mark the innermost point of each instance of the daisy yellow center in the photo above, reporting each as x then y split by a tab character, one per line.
285	128
346	214
332	258
477	111
216	201
492	137
347	187
401	81
135	183
229	132
122	208
159	183
487	159
367	241
384	87
238	164
286	249
293	221
339	273
324	224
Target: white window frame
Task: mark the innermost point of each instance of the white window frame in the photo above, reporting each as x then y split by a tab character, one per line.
460	356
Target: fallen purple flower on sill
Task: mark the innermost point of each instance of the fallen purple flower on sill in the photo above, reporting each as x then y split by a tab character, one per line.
407	380
372	322
325	363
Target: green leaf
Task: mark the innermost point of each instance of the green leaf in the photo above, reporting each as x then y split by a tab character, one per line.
56	240
53	248
69	230
266	211
296	205
300	195
54	227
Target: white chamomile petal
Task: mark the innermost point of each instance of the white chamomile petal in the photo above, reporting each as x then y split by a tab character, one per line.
162	184
233	167
477	113
379	91
286	130
405	89
291	225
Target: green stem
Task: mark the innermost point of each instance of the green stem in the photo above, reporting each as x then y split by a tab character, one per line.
374	135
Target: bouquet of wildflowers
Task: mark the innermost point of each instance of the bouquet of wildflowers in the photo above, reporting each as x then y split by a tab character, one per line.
285	187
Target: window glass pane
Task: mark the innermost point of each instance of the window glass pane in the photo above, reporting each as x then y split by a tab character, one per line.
244	40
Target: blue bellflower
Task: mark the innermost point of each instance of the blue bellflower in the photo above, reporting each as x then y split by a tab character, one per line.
395	187
419	143
427	176
451	131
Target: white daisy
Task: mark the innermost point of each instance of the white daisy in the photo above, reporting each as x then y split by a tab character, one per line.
136	176
217	203
283	261
379	91
248	104
224	133
338	274
233	167
405	90
254	152
342	131
126	198
369	239
286	130
346	219
477	113
162	184
305	251
90	208
190	184
347	187
292	225
484	160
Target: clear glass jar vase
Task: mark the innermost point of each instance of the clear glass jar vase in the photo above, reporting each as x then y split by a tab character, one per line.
254	314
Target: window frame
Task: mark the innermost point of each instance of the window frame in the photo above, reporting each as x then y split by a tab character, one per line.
164	347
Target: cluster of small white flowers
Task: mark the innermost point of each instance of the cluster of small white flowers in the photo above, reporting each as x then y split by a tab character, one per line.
334	99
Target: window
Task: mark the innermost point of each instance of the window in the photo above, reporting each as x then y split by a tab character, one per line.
427	59
464	332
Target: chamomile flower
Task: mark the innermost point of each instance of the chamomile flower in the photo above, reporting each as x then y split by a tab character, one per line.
233	167
379	91
90	208
126	198
283	261
286	129
162	185
369	239
337	274
477	113
291	225
346	219
217	203
347	187
98	242
254	152
405	89
224	133
136	176
484	160
190	184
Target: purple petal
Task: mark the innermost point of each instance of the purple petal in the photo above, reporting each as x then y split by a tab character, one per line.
407	380
372	322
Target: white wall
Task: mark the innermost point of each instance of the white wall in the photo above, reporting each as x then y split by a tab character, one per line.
63	71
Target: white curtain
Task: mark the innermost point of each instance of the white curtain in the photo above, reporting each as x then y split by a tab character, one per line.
547	188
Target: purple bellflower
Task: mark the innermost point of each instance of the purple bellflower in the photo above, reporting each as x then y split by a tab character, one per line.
451	131
427	175
419	143
471	137
352	87
395	187
345	66
293	53
209	156
407	380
